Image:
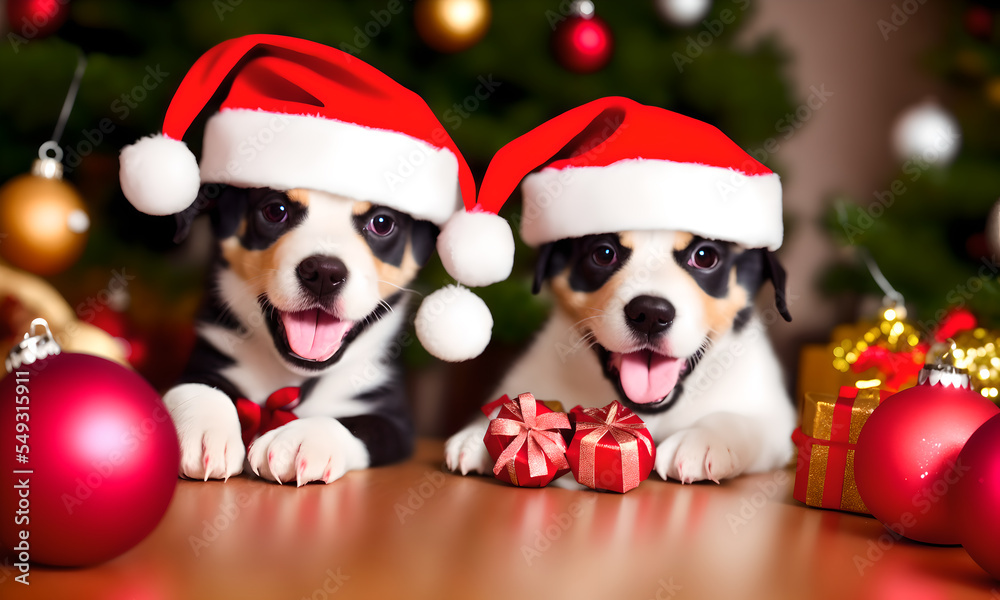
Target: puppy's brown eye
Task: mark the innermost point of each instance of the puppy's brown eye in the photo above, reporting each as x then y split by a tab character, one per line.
381	225
275	212
604	256
704	258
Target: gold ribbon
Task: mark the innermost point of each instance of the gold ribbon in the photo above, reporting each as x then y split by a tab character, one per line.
625	434
534	430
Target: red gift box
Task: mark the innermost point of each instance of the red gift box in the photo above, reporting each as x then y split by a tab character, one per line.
611	448
826	439
525	442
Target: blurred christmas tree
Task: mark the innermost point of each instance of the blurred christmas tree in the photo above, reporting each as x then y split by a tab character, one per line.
670	53
925	228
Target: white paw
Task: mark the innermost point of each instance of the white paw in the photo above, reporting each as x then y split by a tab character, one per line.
308	449
697	454
208	430
465	451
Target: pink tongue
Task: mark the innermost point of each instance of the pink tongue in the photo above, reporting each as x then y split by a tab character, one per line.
314	334
647	377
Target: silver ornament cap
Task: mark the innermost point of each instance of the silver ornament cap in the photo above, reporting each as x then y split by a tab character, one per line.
38	344
943	372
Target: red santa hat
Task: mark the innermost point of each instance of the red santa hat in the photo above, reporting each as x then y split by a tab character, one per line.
614	165
290	113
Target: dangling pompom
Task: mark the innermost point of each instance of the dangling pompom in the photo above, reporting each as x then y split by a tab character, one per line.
159	175
454	324
477	248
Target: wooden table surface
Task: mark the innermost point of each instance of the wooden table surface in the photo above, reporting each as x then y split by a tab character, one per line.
411	531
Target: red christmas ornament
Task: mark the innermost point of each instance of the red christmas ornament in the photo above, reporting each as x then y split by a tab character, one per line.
905	464
525	442
583	42
92	463
979	21
33	19
974	501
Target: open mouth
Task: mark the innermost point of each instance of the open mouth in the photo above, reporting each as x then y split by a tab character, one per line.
313	334
648	381
315	339
306	336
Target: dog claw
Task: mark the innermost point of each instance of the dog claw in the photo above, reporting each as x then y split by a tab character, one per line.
300	473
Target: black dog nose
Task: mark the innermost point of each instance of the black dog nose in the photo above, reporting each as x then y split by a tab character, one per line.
321	275
649	315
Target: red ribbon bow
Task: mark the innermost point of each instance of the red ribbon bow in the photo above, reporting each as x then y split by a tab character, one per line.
537	431
256	420
626	435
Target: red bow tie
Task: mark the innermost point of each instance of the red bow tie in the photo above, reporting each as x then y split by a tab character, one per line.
256	420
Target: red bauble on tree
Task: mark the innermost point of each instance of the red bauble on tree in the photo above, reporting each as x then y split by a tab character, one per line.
979	21
976	496
90	453
36	18
583	42
905	463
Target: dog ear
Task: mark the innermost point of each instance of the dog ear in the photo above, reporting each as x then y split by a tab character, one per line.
776	273
423	238
552	258
225	206
202	204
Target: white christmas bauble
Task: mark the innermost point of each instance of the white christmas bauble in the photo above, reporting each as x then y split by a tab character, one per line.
927	133
683	13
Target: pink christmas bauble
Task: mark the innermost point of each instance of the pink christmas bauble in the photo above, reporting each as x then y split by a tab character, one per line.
89	460
583	44
905	464
976	496
36	19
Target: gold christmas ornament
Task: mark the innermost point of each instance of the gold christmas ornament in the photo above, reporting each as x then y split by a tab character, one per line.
452	25
43	220
976	352
887	353
993	91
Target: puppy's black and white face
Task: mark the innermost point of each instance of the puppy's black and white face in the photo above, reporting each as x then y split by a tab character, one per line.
652	302
314	268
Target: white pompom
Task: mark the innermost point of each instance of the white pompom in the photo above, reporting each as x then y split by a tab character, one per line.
159	175
454	324
477	248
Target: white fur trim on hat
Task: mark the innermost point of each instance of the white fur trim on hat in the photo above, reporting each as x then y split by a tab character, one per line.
252	148
477	248
454	324
159	175
713	202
